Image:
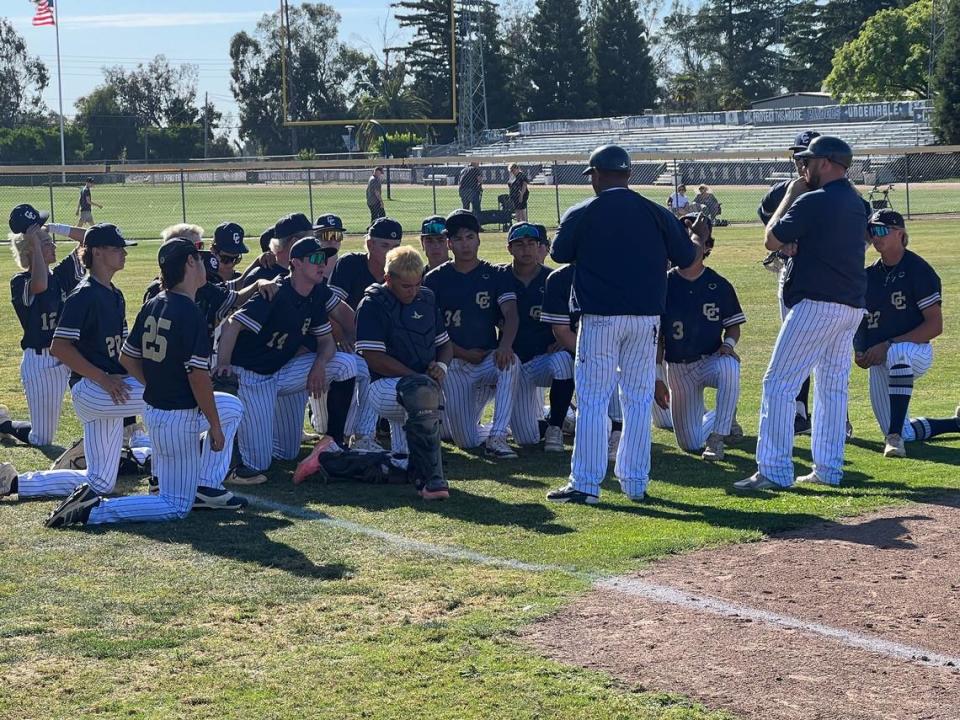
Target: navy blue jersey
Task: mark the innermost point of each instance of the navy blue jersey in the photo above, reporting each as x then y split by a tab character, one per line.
696	315
621	242
559	307
533	337
829	226
278	327
351	277
256	272
215	301
470	302
94	320
170	338
38	314
896	299
771	201
410	334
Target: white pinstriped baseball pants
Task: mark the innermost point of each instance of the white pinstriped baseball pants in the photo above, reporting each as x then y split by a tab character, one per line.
463	401
272	424
604	345
662	419
814	337
182	459
538	372
691	423
918	357
383	403
44	381
102	441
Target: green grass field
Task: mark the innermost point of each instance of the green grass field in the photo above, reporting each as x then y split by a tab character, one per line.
142	211
283	615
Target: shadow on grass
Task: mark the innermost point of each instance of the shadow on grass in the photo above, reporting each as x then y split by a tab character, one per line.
235	536
51	452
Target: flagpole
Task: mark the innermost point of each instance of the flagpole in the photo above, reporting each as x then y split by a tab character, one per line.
56	27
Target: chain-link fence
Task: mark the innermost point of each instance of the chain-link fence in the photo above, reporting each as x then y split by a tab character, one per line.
143	199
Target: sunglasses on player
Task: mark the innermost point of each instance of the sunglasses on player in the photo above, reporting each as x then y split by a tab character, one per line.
878	230
332	235
229	259
317	258
436	228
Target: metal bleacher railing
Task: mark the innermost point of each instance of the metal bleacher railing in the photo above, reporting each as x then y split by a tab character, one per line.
142	199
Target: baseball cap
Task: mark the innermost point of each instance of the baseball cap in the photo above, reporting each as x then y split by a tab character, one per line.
461	219
265	237
329	222
433	225
692	217
887	217
109	235
522	230
228	237
305	247
608	157
174	249
803	140
386	229
291	224
23	216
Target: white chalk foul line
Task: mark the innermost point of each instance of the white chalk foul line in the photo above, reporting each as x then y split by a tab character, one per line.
627	585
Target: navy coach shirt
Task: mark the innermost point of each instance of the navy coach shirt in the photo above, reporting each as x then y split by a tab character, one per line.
620	243
829	226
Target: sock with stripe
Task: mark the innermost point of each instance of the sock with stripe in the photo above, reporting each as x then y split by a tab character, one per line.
926	428
18	428
901	388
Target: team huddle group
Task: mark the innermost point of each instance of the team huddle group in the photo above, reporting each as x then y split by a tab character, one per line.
633	324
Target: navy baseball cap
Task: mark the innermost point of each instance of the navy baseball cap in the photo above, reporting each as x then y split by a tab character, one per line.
522	230
433	225
228	237
305	247
329	222
609	157
386	229
23	216
291	224
803	140
265	237
461	219
889	218
109	235
174	249
211	264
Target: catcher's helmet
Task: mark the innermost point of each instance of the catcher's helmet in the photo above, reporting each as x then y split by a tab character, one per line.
832	148
609	157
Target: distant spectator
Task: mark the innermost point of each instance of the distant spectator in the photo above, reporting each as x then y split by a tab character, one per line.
678	201
85	204
471	187
375	195
518	185
708	201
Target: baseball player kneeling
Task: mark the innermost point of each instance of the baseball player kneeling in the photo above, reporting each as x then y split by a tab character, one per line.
699	330
281	351
543	361
893	341
401	335
168	351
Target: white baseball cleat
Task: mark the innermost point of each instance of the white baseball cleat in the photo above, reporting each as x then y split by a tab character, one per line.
72	459
8	473
894	446
812	478
553	439
714	448
756	482
613	445
366	443
497	447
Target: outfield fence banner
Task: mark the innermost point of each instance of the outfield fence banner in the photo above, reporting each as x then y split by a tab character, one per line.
143	199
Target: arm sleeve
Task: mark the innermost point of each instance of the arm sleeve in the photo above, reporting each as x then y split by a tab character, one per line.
67	272
771	201
730	312
506	288
20	291
442	336
340	279
254	313
927	288
196	344
564	248
73	318
372	327
133	345
799	220
556	307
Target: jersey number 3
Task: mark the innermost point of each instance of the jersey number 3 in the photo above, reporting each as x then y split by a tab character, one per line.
155	344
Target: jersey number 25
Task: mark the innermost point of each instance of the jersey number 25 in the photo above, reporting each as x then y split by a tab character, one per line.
155	344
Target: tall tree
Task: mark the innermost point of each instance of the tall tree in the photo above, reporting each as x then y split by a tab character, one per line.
560	67
888	60
109	126
517	55
625	79
733	45
158	93
501	106
23	79
947	78
818	30
428	52
321	75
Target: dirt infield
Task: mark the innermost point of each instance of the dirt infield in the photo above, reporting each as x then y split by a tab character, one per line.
860	597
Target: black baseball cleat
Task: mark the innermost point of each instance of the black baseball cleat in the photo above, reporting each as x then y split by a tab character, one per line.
75	509
218	499
801	425
569	494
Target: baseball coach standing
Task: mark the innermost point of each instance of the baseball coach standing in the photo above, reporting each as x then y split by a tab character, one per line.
619	242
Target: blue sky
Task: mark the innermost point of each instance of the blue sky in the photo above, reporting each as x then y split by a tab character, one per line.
94	33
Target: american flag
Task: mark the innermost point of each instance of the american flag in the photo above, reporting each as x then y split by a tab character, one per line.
44	14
